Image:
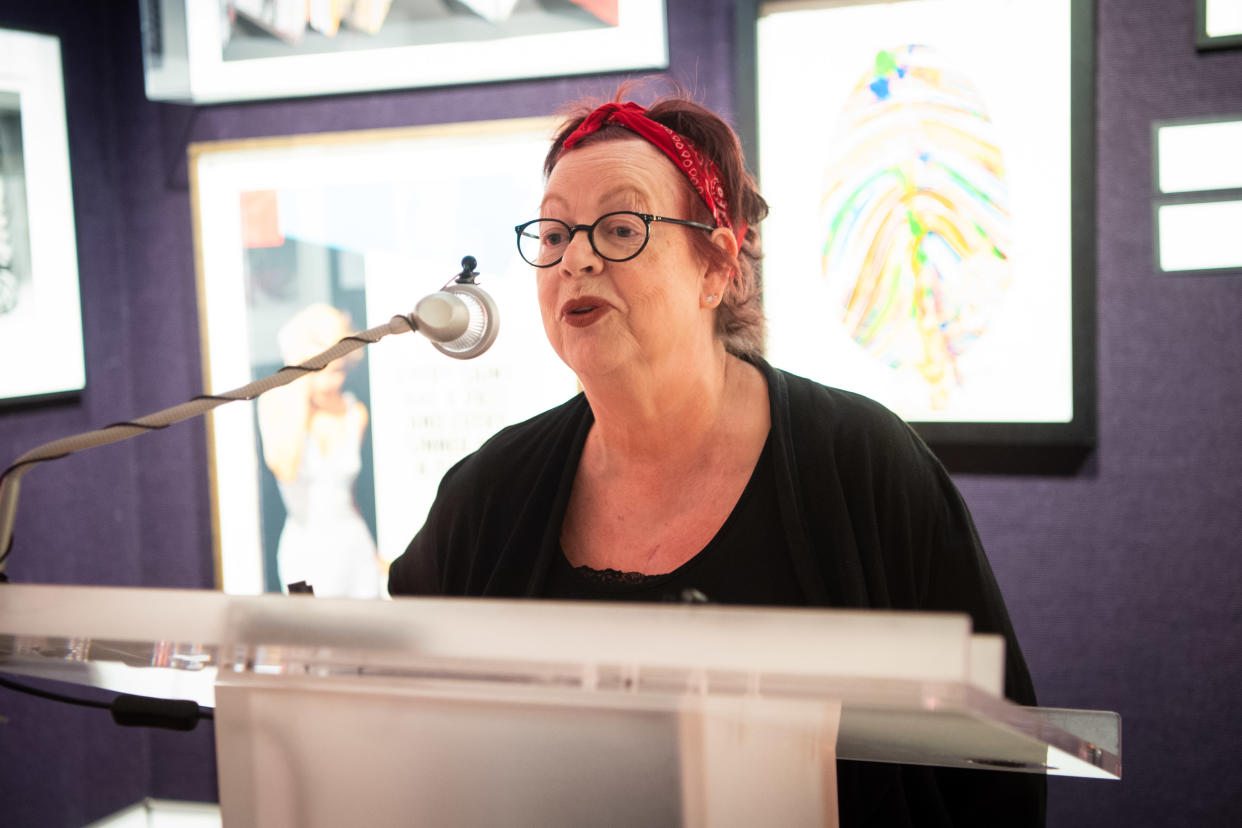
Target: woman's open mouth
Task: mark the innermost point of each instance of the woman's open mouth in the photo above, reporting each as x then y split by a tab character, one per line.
583	311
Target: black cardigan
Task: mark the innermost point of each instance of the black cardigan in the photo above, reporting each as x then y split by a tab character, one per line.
869	515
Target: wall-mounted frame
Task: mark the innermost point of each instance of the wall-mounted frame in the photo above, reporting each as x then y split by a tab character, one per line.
1218	24
38	246
930	170
1197	208
210	52
292	233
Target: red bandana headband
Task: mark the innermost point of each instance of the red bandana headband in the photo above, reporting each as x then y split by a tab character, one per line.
701	171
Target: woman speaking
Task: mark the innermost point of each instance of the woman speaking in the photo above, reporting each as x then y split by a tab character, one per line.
689	468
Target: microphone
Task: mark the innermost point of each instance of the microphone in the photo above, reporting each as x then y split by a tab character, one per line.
461	321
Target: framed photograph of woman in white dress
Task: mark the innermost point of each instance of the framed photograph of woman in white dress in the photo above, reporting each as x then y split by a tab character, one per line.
302	240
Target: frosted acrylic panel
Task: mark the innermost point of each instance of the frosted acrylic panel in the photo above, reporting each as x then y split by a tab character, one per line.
1203	236
913	687
159	813
1200	156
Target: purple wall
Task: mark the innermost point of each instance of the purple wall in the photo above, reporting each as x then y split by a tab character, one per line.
1123	581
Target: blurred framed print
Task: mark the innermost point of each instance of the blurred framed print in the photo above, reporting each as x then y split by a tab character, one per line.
208	51
302	240
38	247
1218	24
1197	207
928	164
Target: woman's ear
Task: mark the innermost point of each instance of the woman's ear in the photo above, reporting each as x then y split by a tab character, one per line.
725	239
716	279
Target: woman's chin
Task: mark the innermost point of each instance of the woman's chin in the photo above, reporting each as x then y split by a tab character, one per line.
590	360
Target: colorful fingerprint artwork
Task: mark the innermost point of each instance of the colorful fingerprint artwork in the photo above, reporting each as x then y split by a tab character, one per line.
915	214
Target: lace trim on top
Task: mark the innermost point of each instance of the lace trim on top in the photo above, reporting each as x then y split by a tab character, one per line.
615	577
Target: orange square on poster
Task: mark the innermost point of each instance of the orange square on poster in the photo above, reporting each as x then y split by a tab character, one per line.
605	10
260	219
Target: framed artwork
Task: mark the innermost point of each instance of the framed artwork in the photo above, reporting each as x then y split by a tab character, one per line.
1218	24
1197	208
301	240
929	169
38	246
209	51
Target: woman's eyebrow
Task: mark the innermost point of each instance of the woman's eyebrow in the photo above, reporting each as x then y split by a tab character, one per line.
549	198
625	194
628	194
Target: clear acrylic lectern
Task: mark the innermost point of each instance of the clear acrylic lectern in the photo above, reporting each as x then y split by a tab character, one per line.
333	712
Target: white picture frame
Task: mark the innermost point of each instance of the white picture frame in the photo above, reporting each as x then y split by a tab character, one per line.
208	51
39	292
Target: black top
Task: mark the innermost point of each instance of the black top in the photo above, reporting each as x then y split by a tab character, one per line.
740	565
866	517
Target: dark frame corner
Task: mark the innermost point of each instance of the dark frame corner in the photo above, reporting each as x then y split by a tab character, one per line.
1205	42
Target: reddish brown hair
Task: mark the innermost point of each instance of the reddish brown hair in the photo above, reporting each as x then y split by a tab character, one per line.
739	318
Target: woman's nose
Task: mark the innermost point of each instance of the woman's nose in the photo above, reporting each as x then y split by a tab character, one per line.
580	256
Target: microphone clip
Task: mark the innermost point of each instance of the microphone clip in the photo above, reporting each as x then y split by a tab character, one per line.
468	272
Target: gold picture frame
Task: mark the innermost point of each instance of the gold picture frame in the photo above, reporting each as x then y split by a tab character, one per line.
366	223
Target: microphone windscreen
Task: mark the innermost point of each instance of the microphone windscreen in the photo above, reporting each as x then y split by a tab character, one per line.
443	317
483	326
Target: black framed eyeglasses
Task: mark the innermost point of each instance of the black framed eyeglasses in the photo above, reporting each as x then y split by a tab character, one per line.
617	237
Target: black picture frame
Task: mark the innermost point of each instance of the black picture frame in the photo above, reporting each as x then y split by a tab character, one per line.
1205	41
1017	447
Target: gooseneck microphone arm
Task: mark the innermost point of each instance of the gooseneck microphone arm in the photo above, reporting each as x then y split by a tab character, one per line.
10	481
443	317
